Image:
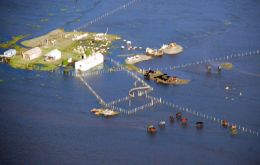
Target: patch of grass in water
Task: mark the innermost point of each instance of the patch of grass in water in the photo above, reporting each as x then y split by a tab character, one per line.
63	9
44	20
36	26
50	14
12	42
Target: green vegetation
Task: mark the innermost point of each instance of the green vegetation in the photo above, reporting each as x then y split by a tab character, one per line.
44	20
1	81
133	67
50	14
88	52
12	42
65	43
36	26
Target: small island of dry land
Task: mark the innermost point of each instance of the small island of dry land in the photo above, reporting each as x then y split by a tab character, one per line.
73	46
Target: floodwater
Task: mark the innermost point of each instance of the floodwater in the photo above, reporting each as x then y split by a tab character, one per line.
45	118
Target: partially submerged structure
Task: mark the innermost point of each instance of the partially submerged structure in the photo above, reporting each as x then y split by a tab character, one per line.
153	52
172	48
53	55
89	62
32	53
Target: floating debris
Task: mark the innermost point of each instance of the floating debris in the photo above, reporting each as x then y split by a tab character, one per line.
161	124
184	121
151	129
233	130
224	123
171	119
104	112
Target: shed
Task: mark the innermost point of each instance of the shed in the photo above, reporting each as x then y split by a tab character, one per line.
89	62
10	53
53	55
32	53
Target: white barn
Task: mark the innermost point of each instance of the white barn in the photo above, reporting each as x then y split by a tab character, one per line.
53	55
89	62
9	53
32	53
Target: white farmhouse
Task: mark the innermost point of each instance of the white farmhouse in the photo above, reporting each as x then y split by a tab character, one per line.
53	55
32	53
9	53
89	62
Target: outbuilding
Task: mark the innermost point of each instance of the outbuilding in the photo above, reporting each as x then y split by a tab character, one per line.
10	53
53	55
89	62
32	53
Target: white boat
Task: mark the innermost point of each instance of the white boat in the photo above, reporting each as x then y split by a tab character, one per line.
136	59
89	62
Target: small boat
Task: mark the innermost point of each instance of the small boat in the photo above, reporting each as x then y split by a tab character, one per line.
104	112
199	124
94	110
108	113
161	124
151	129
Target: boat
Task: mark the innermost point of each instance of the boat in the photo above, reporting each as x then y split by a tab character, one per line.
104	112
109	113
153	52
224	123
137	58
171	48
161	124
151	129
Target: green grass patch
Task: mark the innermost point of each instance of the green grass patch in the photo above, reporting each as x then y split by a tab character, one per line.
13	41
44	20
65	44
50	14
